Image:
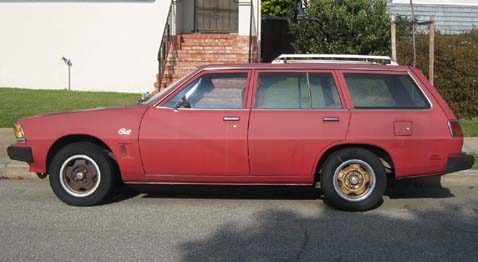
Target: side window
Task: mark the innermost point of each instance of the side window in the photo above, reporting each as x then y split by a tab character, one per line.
370	91
282	91
213	91
324	92
291	90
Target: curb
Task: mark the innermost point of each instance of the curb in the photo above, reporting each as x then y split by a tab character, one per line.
16	170
463	178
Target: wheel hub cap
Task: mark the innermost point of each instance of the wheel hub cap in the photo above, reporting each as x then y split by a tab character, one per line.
80	176
354	180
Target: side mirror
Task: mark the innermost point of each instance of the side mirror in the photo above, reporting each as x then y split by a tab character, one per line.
183	102
144	96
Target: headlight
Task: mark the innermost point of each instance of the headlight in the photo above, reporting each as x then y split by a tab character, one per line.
18	131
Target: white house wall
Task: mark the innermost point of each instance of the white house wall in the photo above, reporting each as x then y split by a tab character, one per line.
244	17
113	45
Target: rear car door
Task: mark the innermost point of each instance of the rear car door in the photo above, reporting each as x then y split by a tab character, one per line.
205	136
295	116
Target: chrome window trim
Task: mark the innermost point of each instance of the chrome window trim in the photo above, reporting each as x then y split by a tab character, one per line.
423	93
298	109
203	109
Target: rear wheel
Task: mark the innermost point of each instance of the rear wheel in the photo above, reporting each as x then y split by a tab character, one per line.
353	179
82	174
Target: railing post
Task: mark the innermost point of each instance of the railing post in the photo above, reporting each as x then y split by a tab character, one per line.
164	46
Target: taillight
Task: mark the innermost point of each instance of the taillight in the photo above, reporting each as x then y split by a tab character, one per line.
455	128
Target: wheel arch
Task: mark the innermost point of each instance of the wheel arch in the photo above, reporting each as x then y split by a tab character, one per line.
381	153
75	138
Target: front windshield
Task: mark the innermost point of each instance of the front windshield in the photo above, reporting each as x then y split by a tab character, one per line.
160	93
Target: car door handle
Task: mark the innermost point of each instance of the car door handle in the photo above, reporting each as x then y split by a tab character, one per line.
232	118
330	119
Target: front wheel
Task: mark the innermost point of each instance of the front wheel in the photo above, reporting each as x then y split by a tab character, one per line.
81	174
353	179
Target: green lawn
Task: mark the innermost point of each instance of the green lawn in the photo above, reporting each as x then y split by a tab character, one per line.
469	126
16	103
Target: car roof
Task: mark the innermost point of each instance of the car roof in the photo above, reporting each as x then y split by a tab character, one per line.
306	66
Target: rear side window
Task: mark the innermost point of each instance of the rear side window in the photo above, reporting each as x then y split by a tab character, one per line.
291	90
383	91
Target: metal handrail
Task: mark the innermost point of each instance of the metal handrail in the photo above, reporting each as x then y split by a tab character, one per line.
165	45
332	58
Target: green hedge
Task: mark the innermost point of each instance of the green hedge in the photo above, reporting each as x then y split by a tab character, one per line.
456	67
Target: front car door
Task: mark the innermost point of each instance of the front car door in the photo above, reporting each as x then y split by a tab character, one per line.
205	138
296	116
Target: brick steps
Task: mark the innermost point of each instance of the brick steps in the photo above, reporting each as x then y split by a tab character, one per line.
192	50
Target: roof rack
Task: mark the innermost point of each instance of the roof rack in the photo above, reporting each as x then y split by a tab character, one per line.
332	58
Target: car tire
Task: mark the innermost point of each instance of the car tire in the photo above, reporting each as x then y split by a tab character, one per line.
353	179
82	174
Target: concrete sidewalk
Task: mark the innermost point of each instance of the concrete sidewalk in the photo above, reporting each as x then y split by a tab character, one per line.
19	170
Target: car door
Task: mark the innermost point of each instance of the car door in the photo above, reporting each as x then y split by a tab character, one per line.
199	131
295	117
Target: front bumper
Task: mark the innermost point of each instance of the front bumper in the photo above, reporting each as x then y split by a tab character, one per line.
20	153
458	163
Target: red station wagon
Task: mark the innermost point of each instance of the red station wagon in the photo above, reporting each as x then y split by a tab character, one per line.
346	126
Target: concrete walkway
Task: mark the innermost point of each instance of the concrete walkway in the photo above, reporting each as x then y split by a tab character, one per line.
19	170
470	145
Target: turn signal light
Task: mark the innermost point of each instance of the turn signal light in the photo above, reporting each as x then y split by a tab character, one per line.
18	131
455	128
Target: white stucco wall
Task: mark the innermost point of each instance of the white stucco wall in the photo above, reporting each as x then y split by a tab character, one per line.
113	45
244	17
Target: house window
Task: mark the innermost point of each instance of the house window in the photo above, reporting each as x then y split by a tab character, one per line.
216	16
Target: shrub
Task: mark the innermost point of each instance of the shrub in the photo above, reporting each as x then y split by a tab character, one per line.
456	69
339	26
277	7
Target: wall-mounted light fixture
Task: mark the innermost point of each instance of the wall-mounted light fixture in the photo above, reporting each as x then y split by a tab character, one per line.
69	64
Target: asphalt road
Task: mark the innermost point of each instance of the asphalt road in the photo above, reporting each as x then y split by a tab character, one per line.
237	224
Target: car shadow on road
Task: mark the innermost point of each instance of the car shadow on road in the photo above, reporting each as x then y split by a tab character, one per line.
423	187
227	192
429	187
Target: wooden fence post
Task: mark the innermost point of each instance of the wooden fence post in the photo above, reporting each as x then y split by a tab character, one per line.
431	55
394	39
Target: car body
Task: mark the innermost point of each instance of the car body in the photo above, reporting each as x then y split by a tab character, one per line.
259	124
